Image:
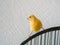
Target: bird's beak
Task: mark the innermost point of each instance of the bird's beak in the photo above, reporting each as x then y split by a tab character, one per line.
27	18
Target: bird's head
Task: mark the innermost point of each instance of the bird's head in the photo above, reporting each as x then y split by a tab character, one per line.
31	17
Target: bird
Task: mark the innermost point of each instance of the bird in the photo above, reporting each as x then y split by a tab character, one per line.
35	23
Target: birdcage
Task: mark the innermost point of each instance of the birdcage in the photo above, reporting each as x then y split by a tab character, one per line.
50	36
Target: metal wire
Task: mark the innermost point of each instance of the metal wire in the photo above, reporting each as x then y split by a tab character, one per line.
45	38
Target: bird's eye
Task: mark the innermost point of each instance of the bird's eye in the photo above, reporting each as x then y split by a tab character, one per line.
30	17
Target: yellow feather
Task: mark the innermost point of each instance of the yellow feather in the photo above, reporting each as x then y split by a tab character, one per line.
35	23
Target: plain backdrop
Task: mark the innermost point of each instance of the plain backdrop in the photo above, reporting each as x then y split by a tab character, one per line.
14	26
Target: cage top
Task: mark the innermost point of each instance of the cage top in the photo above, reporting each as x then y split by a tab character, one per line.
40	33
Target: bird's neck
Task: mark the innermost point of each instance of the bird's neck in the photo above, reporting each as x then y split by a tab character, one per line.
34	20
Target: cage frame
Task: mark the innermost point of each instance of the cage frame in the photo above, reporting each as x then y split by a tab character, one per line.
55	28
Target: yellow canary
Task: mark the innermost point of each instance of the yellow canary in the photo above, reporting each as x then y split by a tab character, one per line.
35	23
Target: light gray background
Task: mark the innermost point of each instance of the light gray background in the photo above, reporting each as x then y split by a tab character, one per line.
14	26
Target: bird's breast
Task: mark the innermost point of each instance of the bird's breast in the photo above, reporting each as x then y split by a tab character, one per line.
35	26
